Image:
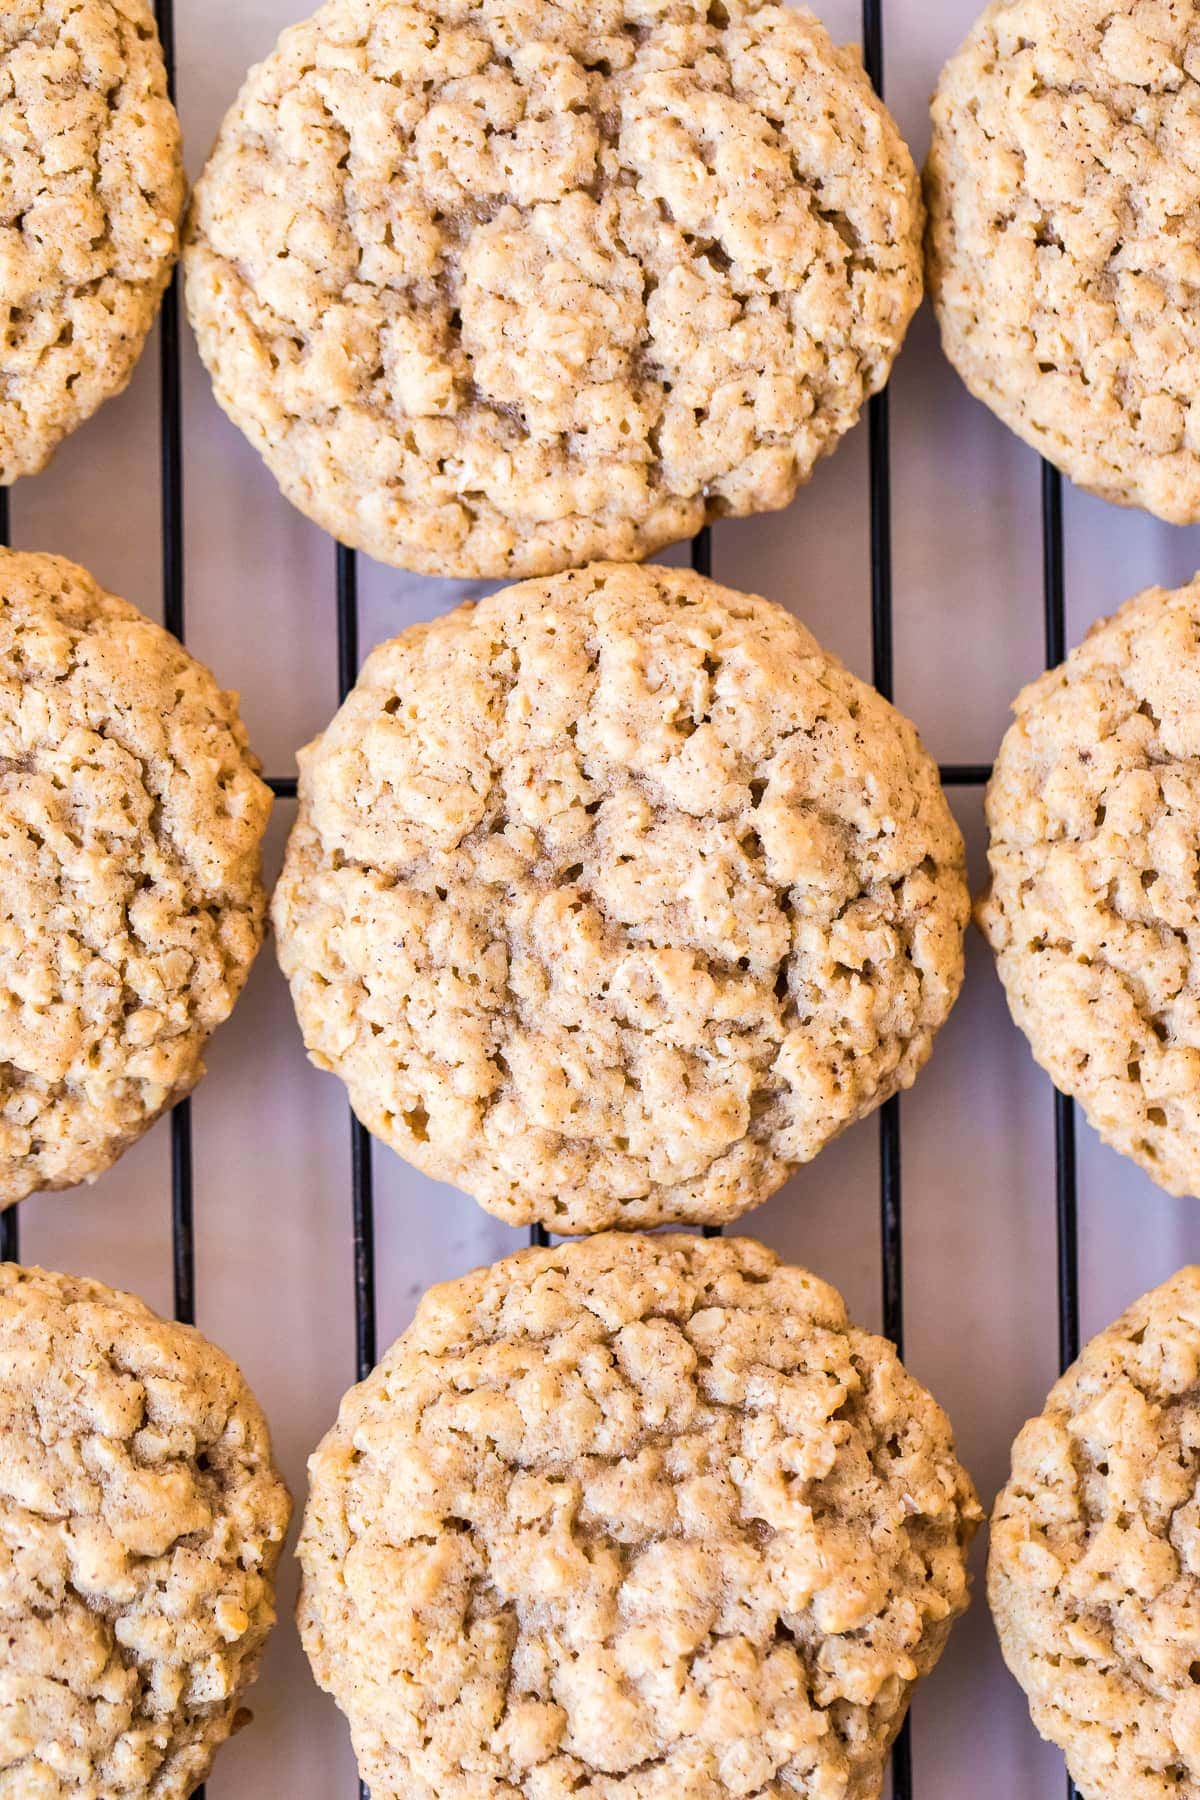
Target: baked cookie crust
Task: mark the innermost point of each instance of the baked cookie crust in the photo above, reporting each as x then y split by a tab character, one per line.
499	289
131	899
634	1516
1095	1555
613	898
141	1519
1093	910
1063	187
91	200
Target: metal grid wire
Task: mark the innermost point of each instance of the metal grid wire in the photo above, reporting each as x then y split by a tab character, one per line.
953	775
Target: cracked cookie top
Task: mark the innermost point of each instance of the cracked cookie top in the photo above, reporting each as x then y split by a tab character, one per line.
1064	237
614	898
1094	1570
91	195
632	1518
500	288
141	1519
131	902
1093	909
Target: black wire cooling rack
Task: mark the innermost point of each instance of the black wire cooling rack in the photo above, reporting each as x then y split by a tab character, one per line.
960	775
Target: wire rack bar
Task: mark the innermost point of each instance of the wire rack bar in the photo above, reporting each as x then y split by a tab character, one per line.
1054	589
10	1231
183	1240
362	1176
953	774
361	1170
891	1234
1066	1212
883	677
1065	1183
702	562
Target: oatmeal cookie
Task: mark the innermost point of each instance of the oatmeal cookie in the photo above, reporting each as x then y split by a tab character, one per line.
497	289
1094	906
614	898
1064	237
1094	1572
637	1517
131	902
91	197
141	1520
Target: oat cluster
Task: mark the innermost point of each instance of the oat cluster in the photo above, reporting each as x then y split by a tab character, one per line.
91	195
632	1518
1064	247
1094	1576
614	898
1094	909
141	1520
501	288
131	902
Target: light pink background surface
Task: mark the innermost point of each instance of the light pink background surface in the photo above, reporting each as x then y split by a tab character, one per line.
271	1137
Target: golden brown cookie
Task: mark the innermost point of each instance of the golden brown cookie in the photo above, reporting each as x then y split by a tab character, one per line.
1063	187
638	1515
614	898
1094	1572
1094	904
131	899
91	196
141	1519
497	289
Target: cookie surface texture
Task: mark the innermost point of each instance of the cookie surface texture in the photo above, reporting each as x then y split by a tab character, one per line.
131	900
632	1517
500	289
141	1519
1093	910
91	199
614	898
1094	1572
1063	186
